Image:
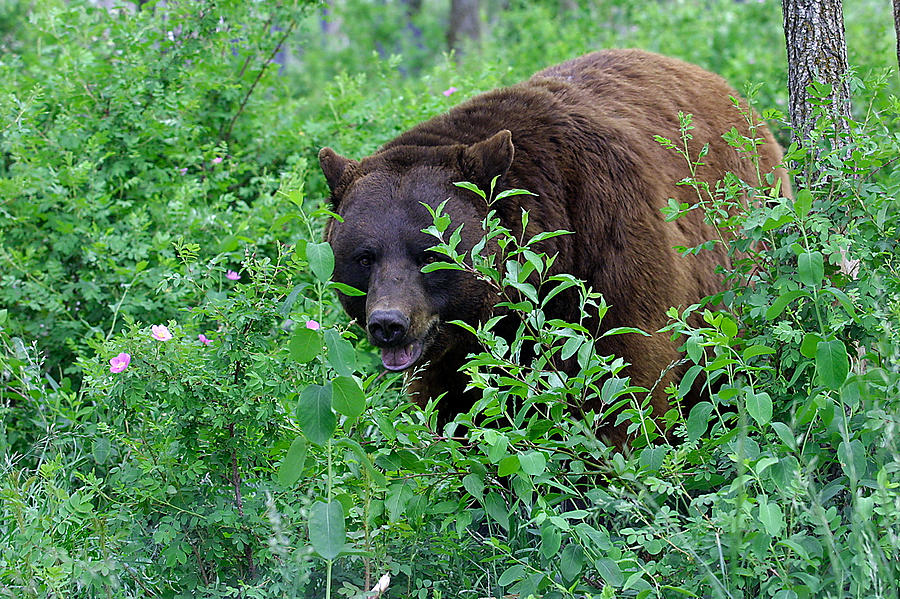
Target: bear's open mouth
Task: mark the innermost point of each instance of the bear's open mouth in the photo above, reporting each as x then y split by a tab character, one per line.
401	358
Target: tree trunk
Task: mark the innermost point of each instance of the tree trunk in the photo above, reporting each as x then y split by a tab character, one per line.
897	28
465	24
817	52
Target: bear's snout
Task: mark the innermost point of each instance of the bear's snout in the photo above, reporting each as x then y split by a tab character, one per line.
390	330
388	327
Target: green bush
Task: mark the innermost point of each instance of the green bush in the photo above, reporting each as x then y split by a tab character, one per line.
123	134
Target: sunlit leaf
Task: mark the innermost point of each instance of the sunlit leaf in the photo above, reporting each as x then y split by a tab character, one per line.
321	259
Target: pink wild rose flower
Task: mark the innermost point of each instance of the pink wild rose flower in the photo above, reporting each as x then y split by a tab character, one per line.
119	363
449	91
160	332
232	276
204	339
312	324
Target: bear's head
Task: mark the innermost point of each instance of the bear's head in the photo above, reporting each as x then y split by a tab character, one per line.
380	247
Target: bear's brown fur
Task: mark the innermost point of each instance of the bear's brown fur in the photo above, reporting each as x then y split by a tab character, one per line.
580	135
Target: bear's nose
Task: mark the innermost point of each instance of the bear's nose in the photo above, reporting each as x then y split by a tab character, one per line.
388	327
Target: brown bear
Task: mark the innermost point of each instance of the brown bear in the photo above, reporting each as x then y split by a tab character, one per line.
579	135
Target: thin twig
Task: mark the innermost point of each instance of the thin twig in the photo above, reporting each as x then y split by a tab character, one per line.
227	134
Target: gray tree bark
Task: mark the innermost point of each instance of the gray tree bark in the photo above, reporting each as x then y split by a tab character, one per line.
816	51
897	28
465	24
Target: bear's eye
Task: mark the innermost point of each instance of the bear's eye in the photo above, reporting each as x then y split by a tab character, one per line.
429	258
365	260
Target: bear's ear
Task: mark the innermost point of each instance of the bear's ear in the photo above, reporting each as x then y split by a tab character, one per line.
334	166
483	161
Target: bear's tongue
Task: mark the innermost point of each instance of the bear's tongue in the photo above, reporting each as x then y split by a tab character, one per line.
400	358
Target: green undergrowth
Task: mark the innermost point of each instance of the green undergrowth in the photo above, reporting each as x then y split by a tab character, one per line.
153	176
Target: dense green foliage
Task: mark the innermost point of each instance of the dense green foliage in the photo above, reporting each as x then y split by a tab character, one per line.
156	169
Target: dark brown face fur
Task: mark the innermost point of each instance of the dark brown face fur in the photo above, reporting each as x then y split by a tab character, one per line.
380	248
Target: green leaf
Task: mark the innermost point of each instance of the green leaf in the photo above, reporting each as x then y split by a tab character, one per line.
285	308
498	444
844	299
471	187
441	266
348	398
341	353
687	381
397	499
571	562
610	571
570	347
496	509
785	433
759	406
361	455
852	457
100	449
321	260
314	414
624	330
533	462
811	268
832	363
757	350
292	466
513	192
3	315
809	344
511	574
782	301
547	235
551	539
474	485
771	516
326	528
728	327
346	289
304	345
779	221
819	89
694	349
797	548
803	203
652	458
698	420
508	465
